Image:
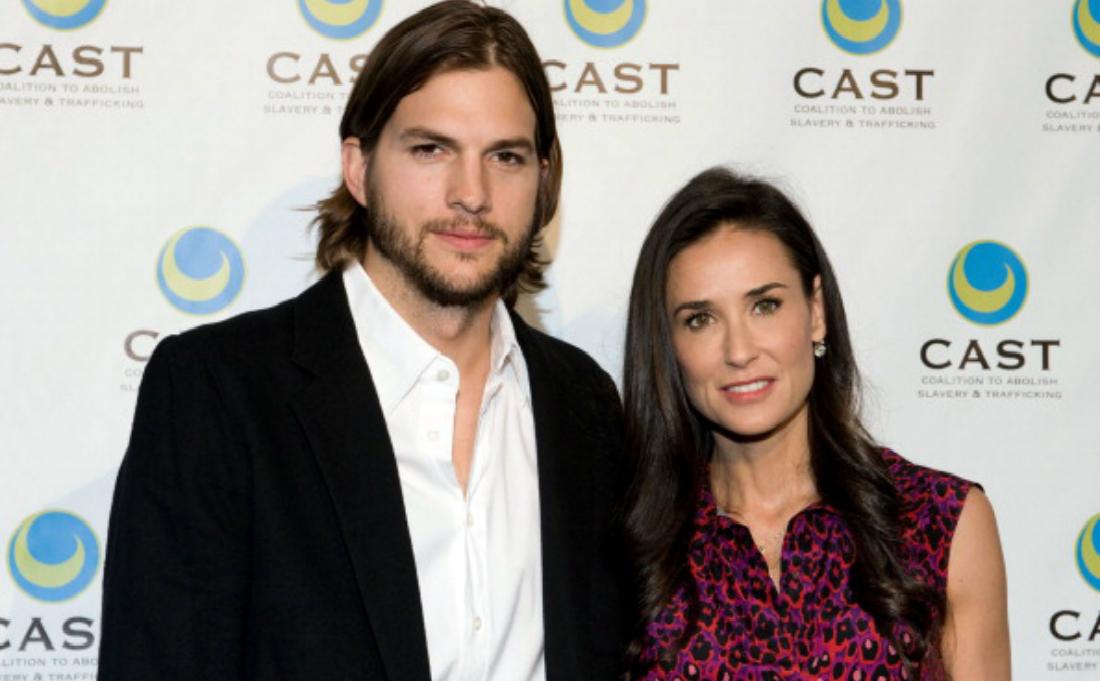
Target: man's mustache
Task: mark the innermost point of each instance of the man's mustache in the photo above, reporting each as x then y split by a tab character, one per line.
475	227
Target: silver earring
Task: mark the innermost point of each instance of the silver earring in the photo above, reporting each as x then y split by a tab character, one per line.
819	349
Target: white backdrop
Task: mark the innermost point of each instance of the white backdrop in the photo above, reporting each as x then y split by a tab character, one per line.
127	124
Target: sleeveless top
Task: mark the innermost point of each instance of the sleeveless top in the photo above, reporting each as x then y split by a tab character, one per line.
810	628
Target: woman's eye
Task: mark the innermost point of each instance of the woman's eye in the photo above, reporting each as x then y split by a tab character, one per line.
765	306
696	321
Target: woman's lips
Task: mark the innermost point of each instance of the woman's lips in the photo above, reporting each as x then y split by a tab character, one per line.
745	391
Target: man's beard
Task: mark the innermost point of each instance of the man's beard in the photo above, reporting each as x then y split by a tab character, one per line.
396	244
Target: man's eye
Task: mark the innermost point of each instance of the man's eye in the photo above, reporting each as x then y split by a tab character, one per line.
510	158
426	150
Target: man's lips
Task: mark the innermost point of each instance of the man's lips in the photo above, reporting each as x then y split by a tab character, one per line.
465	240
467	235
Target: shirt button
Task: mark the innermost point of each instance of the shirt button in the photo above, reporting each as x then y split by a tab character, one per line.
442	375
477	624
469	520
433	435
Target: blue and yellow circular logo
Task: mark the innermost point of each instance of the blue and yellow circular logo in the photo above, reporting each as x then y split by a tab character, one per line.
1088	552
64	14
605	23
340	19
987	282
861	26
200	270
53	556
1087	25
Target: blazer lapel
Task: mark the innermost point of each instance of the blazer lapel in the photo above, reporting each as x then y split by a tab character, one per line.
343	421
565	505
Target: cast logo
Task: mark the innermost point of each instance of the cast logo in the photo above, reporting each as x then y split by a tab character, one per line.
1074	625
1087	26
1088	552
340	19
200	270
605	23
987	282
53	556
1070	88
64	14
861	26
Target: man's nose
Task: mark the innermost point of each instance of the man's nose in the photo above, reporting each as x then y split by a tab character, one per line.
469	187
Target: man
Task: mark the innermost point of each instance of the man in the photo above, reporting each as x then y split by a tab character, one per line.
390	476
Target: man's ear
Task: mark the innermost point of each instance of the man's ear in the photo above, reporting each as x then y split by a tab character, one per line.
353	163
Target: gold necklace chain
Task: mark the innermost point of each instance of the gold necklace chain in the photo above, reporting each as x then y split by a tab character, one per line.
769	540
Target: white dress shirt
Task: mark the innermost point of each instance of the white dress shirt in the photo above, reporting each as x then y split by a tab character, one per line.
478	555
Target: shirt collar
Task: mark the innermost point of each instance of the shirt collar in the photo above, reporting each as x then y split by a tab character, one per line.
708	517
505	357
398	356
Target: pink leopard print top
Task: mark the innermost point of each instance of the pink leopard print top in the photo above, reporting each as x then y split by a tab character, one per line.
809	629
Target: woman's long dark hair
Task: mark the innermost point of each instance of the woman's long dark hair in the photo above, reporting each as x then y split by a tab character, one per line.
671	445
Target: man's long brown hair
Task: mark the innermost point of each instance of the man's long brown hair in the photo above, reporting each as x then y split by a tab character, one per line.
447	36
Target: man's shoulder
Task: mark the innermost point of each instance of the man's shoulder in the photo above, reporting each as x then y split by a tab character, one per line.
565	372
561	355
243	335
251	335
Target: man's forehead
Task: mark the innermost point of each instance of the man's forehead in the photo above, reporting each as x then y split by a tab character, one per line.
489	100
502	80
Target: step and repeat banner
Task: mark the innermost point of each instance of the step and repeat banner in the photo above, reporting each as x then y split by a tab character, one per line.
158	160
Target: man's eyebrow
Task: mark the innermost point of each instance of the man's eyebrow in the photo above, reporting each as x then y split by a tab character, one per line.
427	134
518	143
419	133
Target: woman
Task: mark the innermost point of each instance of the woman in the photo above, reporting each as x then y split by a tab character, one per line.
775	539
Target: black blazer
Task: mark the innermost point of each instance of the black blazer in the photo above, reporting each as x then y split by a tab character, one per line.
258	529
